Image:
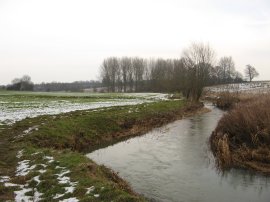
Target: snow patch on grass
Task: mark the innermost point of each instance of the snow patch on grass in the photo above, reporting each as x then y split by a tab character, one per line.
19	154
62	179
250	87
69	189
20	195
23	168
36	178
42	171
96	195
64	172
59	167
37	195
57	196
49	158
70	200
43	165
90	189
36	153
4	178
27	191
8	184
29	130
13	111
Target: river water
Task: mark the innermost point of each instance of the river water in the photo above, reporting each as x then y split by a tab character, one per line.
173	163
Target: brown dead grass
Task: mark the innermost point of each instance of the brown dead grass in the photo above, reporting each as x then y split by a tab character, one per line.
227	100
242	137
131	128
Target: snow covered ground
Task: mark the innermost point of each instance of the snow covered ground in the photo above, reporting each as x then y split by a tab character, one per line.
35	167
37	170
12	110
248	87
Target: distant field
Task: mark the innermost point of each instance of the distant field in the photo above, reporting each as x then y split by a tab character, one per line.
15	106
248	87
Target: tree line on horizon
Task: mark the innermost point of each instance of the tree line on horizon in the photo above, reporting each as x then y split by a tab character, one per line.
76	86
188	75
21	84
25	84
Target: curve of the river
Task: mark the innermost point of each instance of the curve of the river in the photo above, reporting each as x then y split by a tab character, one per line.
173	163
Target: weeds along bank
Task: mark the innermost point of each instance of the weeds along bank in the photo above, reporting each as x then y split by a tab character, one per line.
227	95
242	136
226	100
43	157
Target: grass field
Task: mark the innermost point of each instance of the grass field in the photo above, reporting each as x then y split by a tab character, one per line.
15	106
42	156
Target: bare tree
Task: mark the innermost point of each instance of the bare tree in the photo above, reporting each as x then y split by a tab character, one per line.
118	74
238	77
178	76
198	59
158	74
126	65
227	68
251	72
130	76
104	74
139	67
26	78
22	84
110	73
187	75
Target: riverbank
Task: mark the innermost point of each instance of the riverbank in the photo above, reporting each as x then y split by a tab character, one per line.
43	157
227	100
241	138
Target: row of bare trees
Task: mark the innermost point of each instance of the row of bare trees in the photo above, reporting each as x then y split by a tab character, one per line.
189	74
76	86
123	74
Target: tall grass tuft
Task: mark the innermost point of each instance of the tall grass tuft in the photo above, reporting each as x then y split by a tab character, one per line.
242	136
227	100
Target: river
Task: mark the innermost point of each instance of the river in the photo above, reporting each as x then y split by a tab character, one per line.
173	163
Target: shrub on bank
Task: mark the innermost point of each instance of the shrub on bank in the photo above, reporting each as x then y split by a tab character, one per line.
242	136
226	100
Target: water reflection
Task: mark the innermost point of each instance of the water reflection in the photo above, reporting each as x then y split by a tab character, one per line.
173	163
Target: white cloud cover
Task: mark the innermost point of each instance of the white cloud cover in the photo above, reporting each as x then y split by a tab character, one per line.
66	40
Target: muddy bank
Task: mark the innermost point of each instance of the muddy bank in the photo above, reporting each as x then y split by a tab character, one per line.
131	128
242	137
84	131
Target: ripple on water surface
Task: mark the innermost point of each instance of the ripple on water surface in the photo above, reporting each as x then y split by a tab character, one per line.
173	163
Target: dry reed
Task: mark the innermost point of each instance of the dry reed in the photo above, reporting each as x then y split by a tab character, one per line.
242	136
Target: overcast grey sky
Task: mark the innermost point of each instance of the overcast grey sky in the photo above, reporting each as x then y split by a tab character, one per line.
66	40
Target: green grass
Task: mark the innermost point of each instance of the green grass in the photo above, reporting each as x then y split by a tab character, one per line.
82	130
83	171
29	95
17	105
67	136
36	97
